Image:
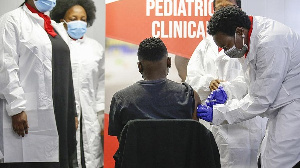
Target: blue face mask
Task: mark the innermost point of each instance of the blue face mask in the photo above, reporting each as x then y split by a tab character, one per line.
45	5
76	29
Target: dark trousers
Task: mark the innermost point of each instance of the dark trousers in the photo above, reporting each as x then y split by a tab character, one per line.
81	145
297	165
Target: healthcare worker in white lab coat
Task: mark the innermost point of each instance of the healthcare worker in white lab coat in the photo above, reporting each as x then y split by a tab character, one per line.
37	103
208	67
88	76
270	56
238	143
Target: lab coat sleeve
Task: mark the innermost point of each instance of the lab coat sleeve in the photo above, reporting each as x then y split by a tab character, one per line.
100	91
235	89
270	69
10	88
1	156
197	76
100	100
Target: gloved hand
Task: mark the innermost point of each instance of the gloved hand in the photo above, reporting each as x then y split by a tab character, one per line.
217	96
209	101
205	112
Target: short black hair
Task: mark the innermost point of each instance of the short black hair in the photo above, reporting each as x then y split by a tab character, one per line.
62	6
226	20
152	49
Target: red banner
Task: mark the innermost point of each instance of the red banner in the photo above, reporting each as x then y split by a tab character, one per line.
181	24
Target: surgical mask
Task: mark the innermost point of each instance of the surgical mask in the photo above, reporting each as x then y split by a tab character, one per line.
234	52
76	29
45	5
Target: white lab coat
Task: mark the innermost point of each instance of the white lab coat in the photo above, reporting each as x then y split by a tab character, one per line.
26	85
273	66
238	143
1	156
88	78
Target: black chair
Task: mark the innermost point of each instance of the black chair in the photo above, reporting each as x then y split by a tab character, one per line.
166	143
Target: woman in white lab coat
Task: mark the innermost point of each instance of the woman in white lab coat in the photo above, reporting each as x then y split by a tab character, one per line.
272	62
88	76
36	89
238	143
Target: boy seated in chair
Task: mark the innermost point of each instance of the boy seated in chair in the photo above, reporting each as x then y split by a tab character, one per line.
155	97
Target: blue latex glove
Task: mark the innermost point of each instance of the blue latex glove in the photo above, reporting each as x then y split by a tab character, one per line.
217	96
205	112
209	101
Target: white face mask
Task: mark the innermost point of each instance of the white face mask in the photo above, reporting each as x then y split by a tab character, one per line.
234	52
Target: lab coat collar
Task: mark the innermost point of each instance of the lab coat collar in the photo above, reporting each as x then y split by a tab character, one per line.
252	47
35	16
82	39
78	41
249	34
47	20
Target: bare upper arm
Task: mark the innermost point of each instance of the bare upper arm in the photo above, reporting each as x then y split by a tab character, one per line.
197	102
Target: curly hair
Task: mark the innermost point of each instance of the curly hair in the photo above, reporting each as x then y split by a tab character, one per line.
226	20
62	6
152	49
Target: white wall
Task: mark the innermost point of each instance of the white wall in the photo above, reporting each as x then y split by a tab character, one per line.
284	11
97	31
8	5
